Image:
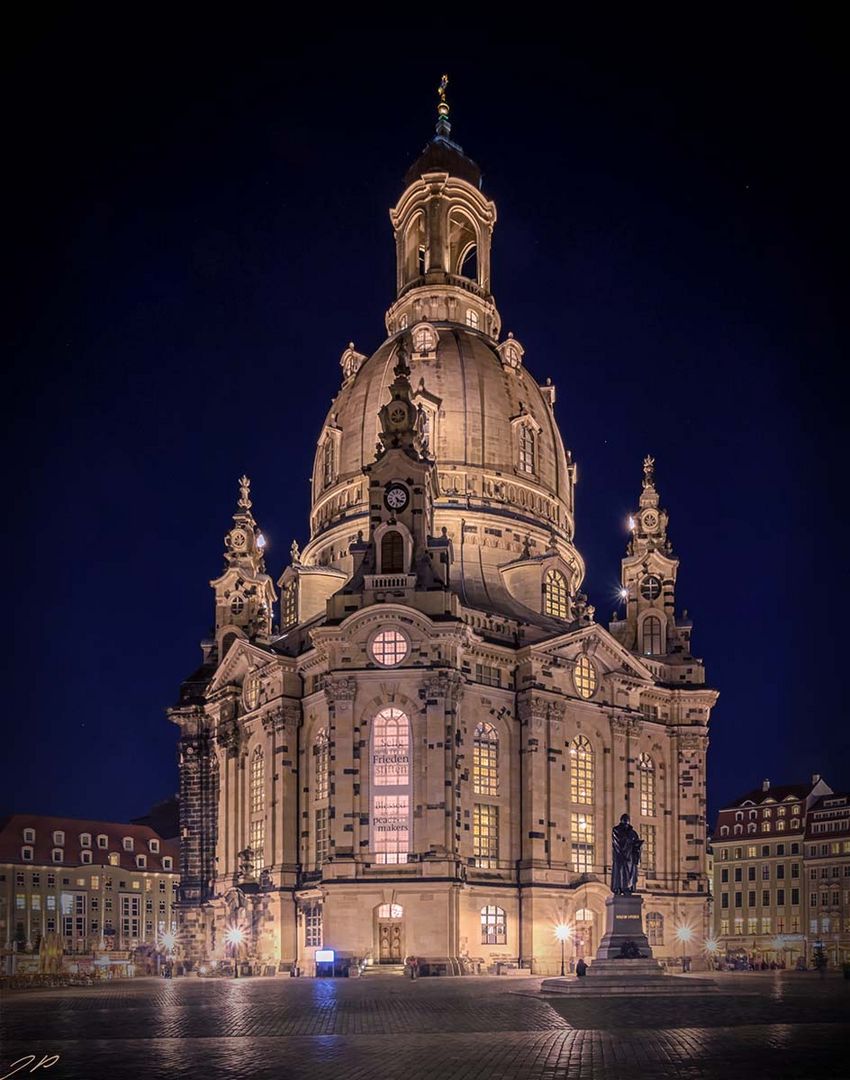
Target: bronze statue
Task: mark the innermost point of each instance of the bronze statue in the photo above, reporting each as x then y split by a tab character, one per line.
626	858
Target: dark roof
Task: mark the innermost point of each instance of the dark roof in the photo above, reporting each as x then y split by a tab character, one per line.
776	793
12	840
443	155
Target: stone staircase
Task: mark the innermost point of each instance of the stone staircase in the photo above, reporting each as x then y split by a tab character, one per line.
382	969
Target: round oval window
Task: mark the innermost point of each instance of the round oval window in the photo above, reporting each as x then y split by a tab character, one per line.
584	677
389	647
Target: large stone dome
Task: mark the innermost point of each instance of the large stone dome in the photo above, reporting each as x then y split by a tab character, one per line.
478	399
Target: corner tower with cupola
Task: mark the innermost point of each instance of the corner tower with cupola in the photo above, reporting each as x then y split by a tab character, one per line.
427	753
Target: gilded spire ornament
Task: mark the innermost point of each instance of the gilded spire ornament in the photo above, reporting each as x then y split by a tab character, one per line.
443	125
244	493
648	471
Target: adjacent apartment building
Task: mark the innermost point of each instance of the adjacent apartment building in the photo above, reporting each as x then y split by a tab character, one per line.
781	873
89	888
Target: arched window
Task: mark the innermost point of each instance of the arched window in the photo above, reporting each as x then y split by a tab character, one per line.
494	925
392	552
581	770
655	928
321	761
390	911
472	318
584	932
651	631
251	691
321	788
463	240
258	807
414	256
328	461
390	818
485	761
585	677
289	604
555	594
258	790
646	773
751	828
526	448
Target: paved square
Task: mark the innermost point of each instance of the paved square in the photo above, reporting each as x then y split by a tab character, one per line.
795	1025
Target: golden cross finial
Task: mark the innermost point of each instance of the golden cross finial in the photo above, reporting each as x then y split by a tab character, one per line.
441	89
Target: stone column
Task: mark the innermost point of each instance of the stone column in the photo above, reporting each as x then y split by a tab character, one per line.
438	797
532	712
344	772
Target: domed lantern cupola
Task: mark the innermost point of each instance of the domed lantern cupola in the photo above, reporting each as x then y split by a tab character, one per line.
443	227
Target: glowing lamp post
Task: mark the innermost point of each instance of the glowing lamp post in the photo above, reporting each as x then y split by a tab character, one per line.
684	934
562	932
234	937
712	948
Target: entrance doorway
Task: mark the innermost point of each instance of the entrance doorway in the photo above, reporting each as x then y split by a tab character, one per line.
390	945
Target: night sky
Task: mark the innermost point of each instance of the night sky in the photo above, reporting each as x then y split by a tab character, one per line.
197	226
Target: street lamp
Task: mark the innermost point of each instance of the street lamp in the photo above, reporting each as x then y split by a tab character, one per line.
234	937
562	932
712	947
684	934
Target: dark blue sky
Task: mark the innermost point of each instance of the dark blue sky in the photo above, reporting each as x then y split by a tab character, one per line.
197	226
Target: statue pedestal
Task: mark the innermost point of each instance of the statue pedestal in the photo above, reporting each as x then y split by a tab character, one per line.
613	974
624	926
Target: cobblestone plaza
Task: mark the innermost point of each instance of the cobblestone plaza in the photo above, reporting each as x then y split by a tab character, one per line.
453	1029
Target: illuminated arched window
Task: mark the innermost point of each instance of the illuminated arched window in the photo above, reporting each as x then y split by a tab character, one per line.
258	780
390	911
258	808
581	770
251	691
584	677
526	448
390	818
321	758
289	604
651	632
321	788
485	761
329	462
494	925
585	945
555	594
472	319
392	552
646	774
655	928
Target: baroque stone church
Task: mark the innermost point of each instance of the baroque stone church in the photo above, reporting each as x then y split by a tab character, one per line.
426	754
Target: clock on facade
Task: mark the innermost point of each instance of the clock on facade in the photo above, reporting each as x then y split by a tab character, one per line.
238	538
650	520
398	415
650	587
396	497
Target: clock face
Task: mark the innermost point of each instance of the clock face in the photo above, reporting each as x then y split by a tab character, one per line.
650	519
650	587
398	414
396	497
238	538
